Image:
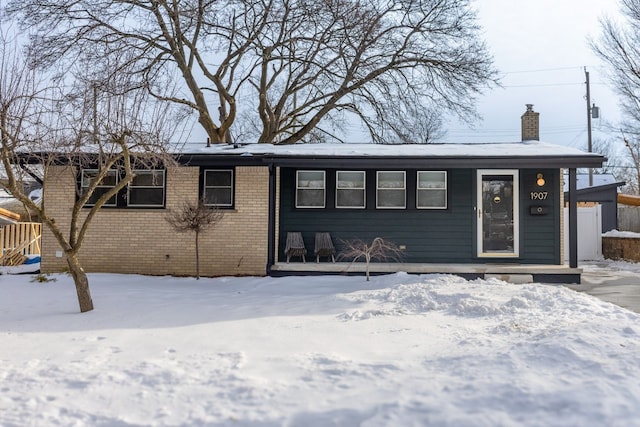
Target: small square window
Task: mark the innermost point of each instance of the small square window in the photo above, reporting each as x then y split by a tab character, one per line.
350	189
432	190
391	190
107	183
310	189
218	188
146	189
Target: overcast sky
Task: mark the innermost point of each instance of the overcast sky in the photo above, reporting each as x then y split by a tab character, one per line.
541	49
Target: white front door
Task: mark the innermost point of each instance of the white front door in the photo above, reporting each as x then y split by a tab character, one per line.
497	213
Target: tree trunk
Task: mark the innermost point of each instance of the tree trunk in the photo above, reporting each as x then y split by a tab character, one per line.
197	258
82	283
368	262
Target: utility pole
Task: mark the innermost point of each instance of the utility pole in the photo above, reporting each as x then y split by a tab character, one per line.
589	143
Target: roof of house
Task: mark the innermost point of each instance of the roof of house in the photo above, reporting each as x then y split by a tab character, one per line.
599	180
489	155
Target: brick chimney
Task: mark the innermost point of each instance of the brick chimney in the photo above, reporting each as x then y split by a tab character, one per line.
530	124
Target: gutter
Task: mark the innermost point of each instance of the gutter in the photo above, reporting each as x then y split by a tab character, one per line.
271	228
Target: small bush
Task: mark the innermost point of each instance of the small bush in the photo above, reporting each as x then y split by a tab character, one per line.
42	278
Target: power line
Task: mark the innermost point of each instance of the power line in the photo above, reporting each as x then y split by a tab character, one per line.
540	70
545	85
543	70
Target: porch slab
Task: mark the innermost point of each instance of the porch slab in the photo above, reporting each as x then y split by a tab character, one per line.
516	273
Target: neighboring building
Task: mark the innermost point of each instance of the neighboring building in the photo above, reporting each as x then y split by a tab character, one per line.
603	191
469	209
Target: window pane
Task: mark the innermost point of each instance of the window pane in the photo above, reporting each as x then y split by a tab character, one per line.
146	196
88	176
350	198
310	198
218	179
218	188
350	179
391	189
218	196
98	193
432	179
148	179
310	189
108	182
432	198
310	179
432	189
350	189
391	198
390	179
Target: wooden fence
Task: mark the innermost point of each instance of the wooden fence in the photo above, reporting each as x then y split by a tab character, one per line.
629	218
18	241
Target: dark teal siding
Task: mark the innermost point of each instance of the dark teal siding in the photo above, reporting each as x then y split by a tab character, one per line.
430	236
540	235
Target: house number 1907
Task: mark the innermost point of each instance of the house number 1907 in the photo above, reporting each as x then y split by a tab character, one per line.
539	195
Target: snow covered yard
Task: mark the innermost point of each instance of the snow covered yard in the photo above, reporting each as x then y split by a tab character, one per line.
400	350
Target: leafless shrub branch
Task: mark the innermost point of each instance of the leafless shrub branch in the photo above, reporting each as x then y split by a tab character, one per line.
378	249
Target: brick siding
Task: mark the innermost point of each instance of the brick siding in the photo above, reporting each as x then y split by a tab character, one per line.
141	241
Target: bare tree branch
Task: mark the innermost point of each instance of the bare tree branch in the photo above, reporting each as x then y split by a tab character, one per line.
290	67
619	46
82	124
378	249
194	218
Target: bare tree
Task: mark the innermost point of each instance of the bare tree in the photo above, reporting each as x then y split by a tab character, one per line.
622	162
303	69
619	46
378	249
196	218
632	175
83	125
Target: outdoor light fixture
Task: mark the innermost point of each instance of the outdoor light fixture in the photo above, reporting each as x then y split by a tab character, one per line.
540	180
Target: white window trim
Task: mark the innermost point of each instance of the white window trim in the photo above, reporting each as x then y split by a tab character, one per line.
144	172
404	188
231	187
418	190
82	186
324	189
363	188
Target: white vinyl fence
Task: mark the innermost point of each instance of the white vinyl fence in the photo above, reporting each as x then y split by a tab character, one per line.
589	233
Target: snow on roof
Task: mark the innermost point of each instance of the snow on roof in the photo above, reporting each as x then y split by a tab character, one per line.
519	149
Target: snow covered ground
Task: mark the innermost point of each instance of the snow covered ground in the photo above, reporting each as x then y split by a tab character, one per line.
401	350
